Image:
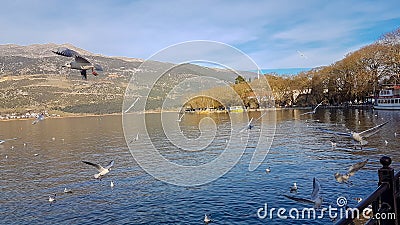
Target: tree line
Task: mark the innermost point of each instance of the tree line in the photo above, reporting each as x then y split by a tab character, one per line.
354	79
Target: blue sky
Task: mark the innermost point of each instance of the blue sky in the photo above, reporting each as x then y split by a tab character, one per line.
275	34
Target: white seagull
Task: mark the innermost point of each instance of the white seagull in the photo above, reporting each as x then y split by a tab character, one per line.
360	136
67	190
314	110
207	219
334	144
102	170
343	178
367	211
316	199
52	199
293	188
268	170
80	63
112	184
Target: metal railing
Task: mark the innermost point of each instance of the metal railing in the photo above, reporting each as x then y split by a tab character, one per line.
385	200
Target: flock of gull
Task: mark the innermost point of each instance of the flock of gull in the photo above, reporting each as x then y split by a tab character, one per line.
315	198
82	64
358	141
102	172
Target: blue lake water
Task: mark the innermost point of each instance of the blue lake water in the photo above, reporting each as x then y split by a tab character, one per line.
298	153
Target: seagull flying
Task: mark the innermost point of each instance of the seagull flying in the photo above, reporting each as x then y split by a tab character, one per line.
80	62
102	170
343	178
316	199
302	54
314	110
359	137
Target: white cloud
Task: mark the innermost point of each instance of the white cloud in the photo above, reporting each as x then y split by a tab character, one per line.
271	32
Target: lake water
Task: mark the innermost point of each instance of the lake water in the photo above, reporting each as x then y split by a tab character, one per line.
298	153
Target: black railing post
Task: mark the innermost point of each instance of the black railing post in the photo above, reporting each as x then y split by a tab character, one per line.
386	202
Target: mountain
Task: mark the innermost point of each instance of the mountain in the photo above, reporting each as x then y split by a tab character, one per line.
36	50
31	78
39	59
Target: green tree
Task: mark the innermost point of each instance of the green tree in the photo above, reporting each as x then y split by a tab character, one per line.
239	79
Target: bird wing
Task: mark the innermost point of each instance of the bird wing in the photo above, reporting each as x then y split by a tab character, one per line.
318	105
66	52
97	166
335	132
372	131
316	189
110	165
80	59
356	167
297	199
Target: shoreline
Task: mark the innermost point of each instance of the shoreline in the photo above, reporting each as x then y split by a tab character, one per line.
197	112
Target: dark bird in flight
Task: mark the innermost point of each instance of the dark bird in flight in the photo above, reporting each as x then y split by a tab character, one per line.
343	178
80	62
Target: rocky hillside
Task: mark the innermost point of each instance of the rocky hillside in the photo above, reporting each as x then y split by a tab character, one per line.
32	79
